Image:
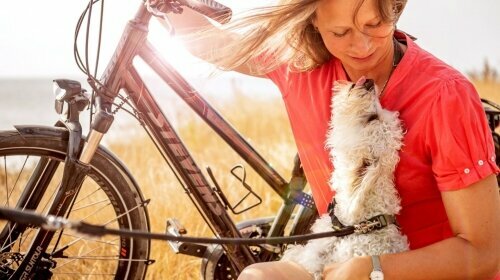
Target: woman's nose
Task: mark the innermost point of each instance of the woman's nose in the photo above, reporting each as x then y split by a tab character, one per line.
361	44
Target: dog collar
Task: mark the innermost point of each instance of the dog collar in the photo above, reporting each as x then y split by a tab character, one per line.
375	223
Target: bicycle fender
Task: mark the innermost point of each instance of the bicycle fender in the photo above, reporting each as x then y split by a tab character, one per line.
32	131
62	134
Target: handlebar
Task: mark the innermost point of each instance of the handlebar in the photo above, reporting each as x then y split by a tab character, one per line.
209	8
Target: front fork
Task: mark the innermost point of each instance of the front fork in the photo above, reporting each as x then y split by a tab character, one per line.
79	154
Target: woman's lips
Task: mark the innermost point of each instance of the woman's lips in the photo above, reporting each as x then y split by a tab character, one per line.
362	59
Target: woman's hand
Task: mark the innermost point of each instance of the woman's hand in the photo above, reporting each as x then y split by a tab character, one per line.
357	268
163	7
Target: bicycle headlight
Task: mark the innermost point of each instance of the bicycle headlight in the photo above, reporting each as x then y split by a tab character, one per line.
64	90
59	94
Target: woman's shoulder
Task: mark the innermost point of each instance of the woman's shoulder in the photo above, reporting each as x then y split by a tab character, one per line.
428	81
422	70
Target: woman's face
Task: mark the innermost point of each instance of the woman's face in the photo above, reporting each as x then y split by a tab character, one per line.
360	41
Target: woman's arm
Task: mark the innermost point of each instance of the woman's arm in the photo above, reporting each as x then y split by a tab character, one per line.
473	253
204	47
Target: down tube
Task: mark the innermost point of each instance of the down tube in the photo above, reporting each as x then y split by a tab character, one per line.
173	148
213	118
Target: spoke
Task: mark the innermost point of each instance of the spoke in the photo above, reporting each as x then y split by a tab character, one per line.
6	181
11	228
7	245
7	238
102	258
107	223
73	260
17	180
99	258
31	230
74	241
119	216
9	192
96	211
68	212
91	204
33	190
23	207
50	199
88	239
110	242
86	257
87	196
88	274
20	243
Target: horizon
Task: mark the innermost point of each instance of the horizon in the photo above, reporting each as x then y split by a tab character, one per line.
459	32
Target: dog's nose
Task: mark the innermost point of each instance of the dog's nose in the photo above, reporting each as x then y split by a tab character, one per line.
369	83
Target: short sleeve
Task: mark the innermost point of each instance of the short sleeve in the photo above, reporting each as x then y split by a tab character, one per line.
278	76
458	137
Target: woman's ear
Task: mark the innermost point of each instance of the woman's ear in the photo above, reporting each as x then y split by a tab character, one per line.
314	22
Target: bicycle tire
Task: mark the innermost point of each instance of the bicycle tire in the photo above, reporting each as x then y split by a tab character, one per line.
111	190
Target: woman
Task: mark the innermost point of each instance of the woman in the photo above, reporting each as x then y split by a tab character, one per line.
446	175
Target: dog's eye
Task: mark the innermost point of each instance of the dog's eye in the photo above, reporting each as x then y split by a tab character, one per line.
353	85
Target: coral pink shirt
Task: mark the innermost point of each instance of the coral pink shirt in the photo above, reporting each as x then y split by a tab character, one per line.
447	145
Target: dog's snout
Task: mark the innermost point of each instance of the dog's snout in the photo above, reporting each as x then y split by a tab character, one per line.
369	83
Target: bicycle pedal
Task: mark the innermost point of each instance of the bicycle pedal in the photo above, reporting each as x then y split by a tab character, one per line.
175	228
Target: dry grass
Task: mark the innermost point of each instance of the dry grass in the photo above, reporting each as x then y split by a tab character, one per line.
488	89
262	122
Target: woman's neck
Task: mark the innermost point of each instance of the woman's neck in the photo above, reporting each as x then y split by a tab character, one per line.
380	74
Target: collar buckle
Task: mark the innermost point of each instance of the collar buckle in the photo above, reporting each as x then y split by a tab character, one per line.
374	223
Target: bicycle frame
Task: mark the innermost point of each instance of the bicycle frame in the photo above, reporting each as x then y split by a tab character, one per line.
121	74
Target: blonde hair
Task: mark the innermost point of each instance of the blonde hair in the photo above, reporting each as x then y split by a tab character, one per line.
284	34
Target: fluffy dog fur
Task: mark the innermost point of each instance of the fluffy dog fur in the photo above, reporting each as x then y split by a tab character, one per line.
364	140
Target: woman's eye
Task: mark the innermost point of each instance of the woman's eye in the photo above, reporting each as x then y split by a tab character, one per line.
377	24
339	34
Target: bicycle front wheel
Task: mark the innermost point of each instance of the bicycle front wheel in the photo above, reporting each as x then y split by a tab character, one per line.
30	173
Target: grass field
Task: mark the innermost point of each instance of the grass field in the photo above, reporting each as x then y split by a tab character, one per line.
488	90
264	123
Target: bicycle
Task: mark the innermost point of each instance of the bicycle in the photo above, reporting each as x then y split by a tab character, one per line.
64	172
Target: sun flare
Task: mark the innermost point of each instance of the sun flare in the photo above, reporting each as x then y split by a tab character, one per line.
173	49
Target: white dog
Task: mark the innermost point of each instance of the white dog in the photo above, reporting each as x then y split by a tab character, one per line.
364	140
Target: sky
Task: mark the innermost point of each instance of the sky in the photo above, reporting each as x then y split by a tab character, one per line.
36	37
